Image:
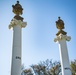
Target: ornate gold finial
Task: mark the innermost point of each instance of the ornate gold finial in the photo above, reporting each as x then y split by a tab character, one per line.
17	9
60	27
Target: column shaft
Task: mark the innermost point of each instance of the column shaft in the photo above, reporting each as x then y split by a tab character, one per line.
65	65
16	51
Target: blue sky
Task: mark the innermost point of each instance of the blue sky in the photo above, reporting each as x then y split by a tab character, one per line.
38	36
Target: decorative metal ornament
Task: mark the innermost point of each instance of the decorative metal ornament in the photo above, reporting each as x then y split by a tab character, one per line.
17	9
60	27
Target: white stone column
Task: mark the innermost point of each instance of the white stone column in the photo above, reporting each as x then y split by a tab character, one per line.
64	58
17	26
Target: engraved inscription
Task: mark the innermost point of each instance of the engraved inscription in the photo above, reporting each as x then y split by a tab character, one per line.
17	57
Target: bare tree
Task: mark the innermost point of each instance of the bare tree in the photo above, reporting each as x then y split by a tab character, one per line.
56	68
47	67
73	67
28	71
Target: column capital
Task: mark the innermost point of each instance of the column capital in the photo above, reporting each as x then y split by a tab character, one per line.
62	37
15	22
